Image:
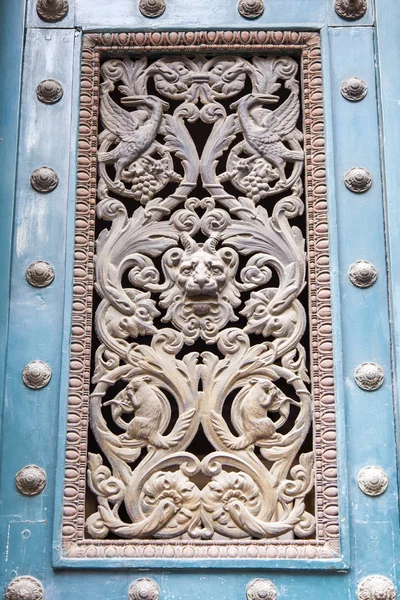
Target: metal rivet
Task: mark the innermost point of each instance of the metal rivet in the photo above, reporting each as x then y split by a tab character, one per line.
49	91
24	588
40	274
251	9
44	180
36	374
369	376
358	180
31	480
261	589
152	8
362	273
353	89
351	9
144	589
52	10
373	481
376	586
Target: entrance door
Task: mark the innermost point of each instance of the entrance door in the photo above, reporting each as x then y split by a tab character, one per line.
198	354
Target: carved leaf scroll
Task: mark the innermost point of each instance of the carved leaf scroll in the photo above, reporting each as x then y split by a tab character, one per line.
201	411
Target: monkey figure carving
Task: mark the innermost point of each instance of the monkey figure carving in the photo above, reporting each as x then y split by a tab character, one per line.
148	405
250	412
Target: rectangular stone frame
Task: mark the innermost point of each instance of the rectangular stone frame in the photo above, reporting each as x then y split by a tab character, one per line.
327	542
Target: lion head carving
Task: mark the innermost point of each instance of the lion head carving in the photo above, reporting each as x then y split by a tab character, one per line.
202	290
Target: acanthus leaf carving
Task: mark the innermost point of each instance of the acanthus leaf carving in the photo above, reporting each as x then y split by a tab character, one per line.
200	324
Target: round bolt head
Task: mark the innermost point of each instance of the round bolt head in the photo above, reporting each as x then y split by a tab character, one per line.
373	481
362	274
369	376
358	180
144	589
49	91
40	274
24	588
36	374
376	587
31	480
44	180
353	89
261	589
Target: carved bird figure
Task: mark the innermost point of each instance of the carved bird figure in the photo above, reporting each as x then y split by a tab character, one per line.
266	138
254	402
144	400
135	132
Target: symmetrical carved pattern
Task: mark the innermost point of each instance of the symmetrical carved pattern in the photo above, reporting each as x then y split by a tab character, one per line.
376	586
261	589
152	8
373	481
358	180
36	374
353	89
44	180
49	91
351	9
40	274
52	10
144	589
24	588
31	480
369	376
251	9
362	273
201	238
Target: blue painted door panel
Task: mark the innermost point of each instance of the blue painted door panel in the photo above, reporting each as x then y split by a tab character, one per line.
38	324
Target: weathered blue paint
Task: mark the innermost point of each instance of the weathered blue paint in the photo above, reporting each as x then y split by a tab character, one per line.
38	329
11	48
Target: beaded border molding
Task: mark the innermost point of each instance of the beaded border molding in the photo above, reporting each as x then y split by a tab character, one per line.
306	46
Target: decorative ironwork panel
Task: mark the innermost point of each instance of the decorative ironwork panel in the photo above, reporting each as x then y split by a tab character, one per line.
201	409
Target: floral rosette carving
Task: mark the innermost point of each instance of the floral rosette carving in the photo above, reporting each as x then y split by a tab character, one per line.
200	325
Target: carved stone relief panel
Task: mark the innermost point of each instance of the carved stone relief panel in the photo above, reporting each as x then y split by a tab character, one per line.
201	396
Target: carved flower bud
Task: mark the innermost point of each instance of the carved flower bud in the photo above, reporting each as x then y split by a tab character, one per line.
144	589
261	589
358	180
353	89
376	587
36	374
49	91
373	481
44	180
152	8
40	274
251	9
362	274
369	376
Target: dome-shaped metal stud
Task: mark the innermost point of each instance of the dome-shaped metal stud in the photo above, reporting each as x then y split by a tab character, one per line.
261	589
358	180
362	274
373	481
353	89
376	587
251	9
44	180
39	274
369	376
152	8
49	91
351	10
144	589
31	480
24	588
52	11
36	374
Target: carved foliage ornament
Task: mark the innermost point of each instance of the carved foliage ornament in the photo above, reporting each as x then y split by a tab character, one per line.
199	324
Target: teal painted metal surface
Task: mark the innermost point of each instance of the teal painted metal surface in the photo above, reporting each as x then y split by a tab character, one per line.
40	330
11	48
